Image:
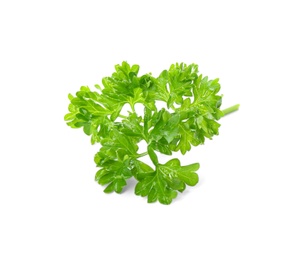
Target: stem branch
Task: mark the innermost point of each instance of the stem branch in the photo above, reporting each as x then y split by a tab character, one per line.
230	109
142	154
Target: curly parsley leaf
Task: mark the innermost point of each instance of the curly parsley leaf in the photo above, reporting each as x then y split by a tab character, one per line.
190	111
115	174
166	181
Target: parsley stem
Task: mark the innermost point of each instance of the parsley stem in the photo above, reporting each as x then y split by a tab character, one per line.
142	154
230	109
173	108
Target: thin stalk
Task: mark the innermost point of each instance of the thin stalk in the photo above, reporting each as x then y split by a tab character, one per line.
230	109
142	154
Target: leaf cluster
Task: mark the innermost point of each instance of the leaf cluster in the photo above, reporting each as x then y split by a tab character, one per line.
188	114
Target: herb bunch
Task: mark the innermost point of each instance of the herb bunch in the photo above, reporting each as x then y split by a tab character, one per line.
190	111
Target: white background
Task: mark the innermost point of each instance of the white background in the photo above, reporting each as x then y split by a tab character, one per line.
249	202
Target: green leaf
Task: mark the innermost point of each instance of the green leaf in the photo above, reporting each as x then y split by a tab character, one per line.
117	142
186	138
115	175
132	126
172	169
161	146
166	126
163	184
180	79
113	102
87	114
125	143
98	87
155	188
161	91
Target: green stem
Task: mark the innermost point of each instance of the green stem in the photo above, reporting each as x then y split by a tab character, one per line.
142	154
122	116
173	107
230	109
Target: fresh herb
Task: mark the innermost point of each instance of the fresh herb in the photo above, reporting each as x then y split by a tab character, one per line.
191	108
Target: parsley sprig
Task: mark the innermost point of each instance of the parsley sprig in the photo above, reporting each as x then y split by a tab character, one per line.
191	109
